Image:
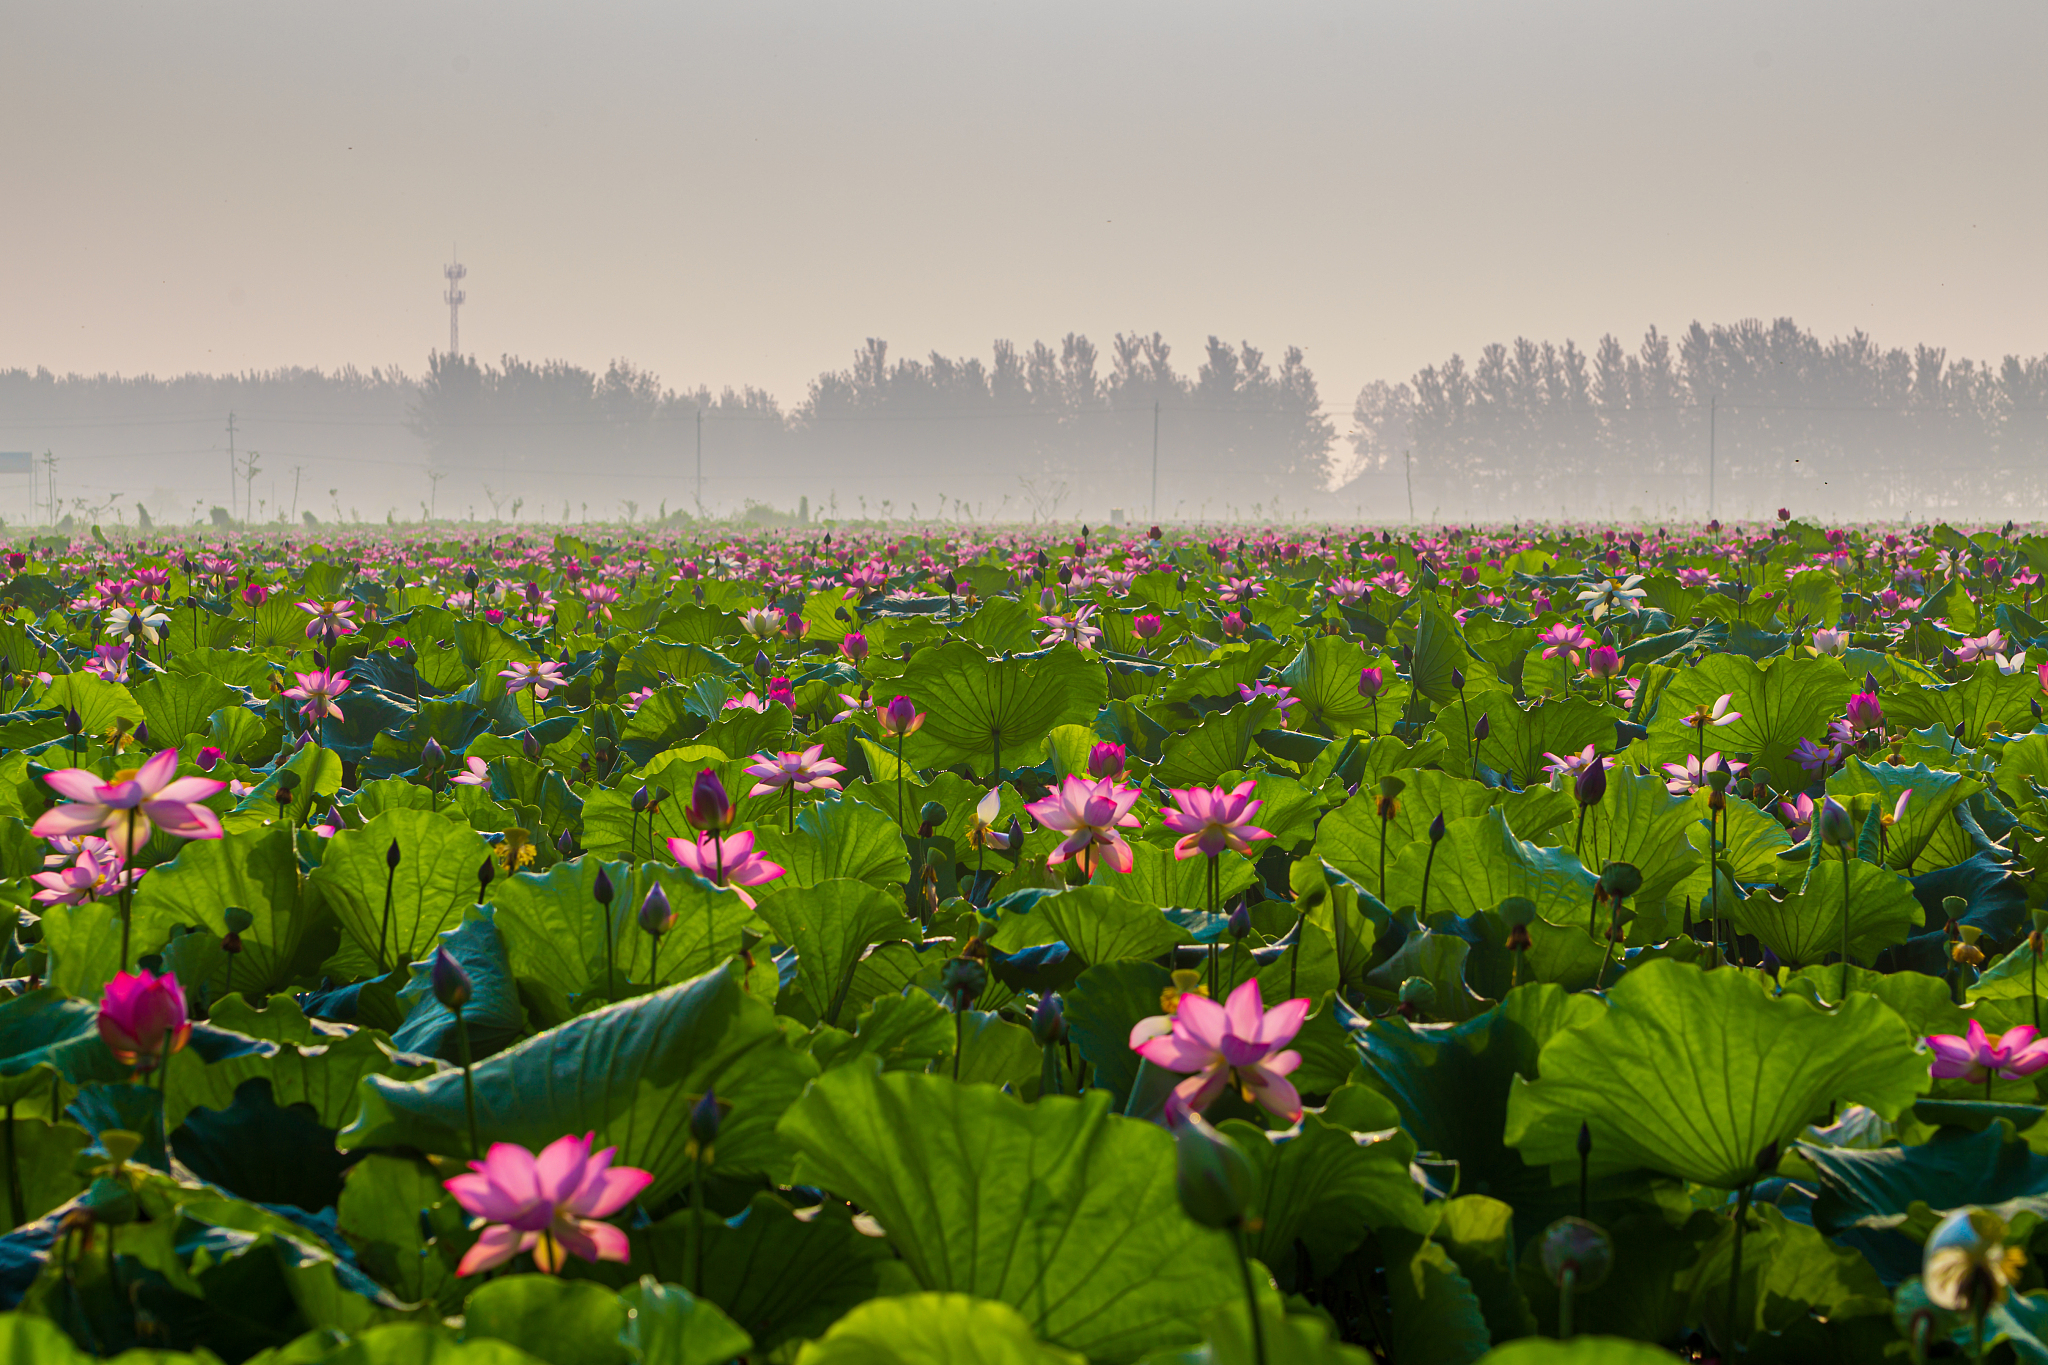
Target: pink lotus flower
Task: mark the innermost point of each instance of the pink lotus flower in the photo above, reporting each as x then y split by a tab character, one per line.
548	1204
1977	1056
475	773
1603	662
1089	814
1237	1043
599	597
728	861
1798	816
541	677
1864	712
1571	765
1692	775
1282	696
142	1018
1149	626
1077	629
135	802
1107	760
318	691
1349	591
806	771
901	717
1717	715
1564	641
334	620
1211	820
1980	647
96	872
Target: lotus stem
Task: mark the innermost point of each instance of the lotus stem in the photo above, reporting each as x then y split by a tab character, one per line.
1736	1337
1251	1297
476	1149
1845	926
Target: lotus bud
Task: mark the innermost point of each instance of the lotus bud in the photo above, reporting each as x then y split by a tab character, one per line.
1835	827
707	1115
763	665
484	874
1241	920
565	843
1371	682
1484	728
452	986
656	918
1107	760
962	980
1049	1020
710	808
432	755
1148	627
1211	1175
1590	787
1575	1247
601	889
529	744
855	648
1458	680
1436	829
929	817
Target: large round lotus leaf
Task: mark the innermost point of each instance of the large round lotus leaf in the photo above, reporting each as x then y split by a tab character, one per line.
933	1329
1060	1209
1693	1073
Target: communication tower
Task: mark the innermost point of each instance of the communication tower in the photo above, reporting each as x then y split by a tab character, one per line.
455	271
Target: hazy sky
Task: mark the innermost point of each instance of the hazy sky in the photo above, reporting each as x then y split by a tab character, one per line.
740	192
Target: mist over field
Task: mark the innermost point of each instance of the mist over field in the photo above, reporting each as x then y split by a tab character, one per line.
1372	262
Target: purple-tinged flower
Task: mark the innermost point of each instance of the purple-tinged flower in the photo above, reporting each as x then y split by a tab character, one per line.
134	802
1212	820
542	677
1692	775
1240	1043
1977	1056
807	770
549	1204
730	861
318	690
1089	815
332	620
901	717
143	1018
1107	760
1798	816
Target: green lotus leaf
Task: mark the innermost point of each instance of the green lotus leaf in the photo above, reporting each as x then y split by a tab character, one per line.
629	1073
1324	679
837	839
1326	1184
181	704
1781	702
1929	813
1348	838
993	713
1660	1092
831	925
1059	1209
1985	702
257	870
1806	925
1159	878
1580	1350
1518	737
434	883
666	1325
313	1063
493	1015
933	1329
563	1322
1219	744
1481	863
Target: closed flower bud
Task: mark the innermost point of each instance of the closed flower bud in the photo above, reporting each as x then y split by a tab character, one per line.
1107	760
432	756
566	843
601	889
1049	1020
1436	829
707	1115
391	856
656	917
452	986
529	744
1458	680
1483	728
484	874
1575	1247
1241	920
1371	682
1590	787
1833	824
710	808
1212	1176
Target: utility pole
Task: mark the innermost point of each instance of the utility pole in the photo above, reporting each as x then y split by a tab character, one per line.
1713	404
1408	472
454	296
1155	461
50	465
233	468
700	462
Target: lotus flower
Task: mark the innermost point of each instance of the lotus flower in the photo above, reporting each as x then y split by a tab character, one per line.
1832	642
1977	1056
1238	1043
541	677
135	802
1211	820
1692	775
548	1204
318	691
981	825
1571	765
1089	814
333	620
805	771
901	717
1798	816
1564	641
475	773
1716	715
142	1018
730	861
96	872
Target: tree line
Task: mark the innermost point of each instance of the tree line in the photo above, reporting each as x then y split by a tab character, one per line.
1771	413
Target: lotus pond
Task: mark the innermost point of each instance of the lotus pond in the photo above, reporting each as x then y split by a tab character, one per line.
900	945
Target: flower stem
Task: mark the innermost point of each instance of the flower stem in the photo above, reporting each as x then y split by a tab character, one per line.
1736	1337
697	1224
1845	926
476	1149
1251	1297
